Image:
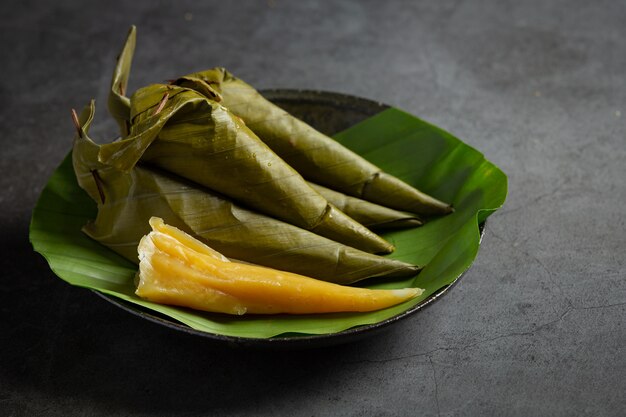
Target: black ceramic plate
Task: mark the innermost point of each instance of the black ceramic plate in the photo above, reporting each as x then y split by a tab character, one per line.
329	113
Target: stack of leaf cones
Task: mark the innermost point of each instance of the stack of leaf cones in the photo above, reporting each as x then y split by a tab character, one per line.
211	156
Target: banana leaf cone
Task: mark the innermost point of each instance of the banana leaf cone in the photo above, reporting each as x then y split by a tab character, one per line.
316	156
373	216
127	199
185	133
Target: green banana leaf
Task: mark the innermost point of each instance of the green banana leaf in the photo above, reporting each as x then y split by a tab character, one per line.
128	199
405	146
314	155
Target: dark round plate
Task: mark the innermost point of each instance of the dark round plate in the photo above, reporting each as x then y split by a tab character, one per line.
329	113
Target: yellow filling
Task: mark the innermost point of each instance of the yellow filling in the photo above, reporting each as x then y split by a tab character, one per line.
177	269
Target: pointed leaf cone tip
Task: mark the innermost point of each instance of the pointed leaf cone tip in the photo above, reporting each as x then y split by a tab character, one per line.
371	215
395	193
336	225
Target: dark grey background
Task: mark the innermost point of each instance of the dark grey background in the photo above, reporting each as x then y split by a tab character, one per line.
535	328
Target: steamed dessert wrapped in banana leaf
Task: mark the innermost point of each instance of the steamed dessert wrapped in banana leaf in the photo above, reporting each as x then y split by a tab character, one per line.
128	198
369	214
186	133
314	155
317	157
177	269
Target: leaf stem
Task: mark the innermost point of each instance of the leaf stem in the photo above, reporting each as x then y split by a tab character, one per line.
99	183
77	123
161	104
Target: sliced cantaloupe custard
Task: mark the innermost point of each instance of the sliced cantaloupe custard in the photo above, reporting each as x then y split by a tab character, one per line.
177	269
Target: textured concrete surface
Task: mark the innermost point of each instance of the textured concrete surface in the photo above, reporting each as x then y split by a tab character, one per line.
535	328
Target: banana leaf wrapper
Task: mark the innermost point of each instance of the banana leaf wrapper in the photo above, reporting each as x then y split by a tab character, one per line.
316	156
371	215
128	198
185	133
118	103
